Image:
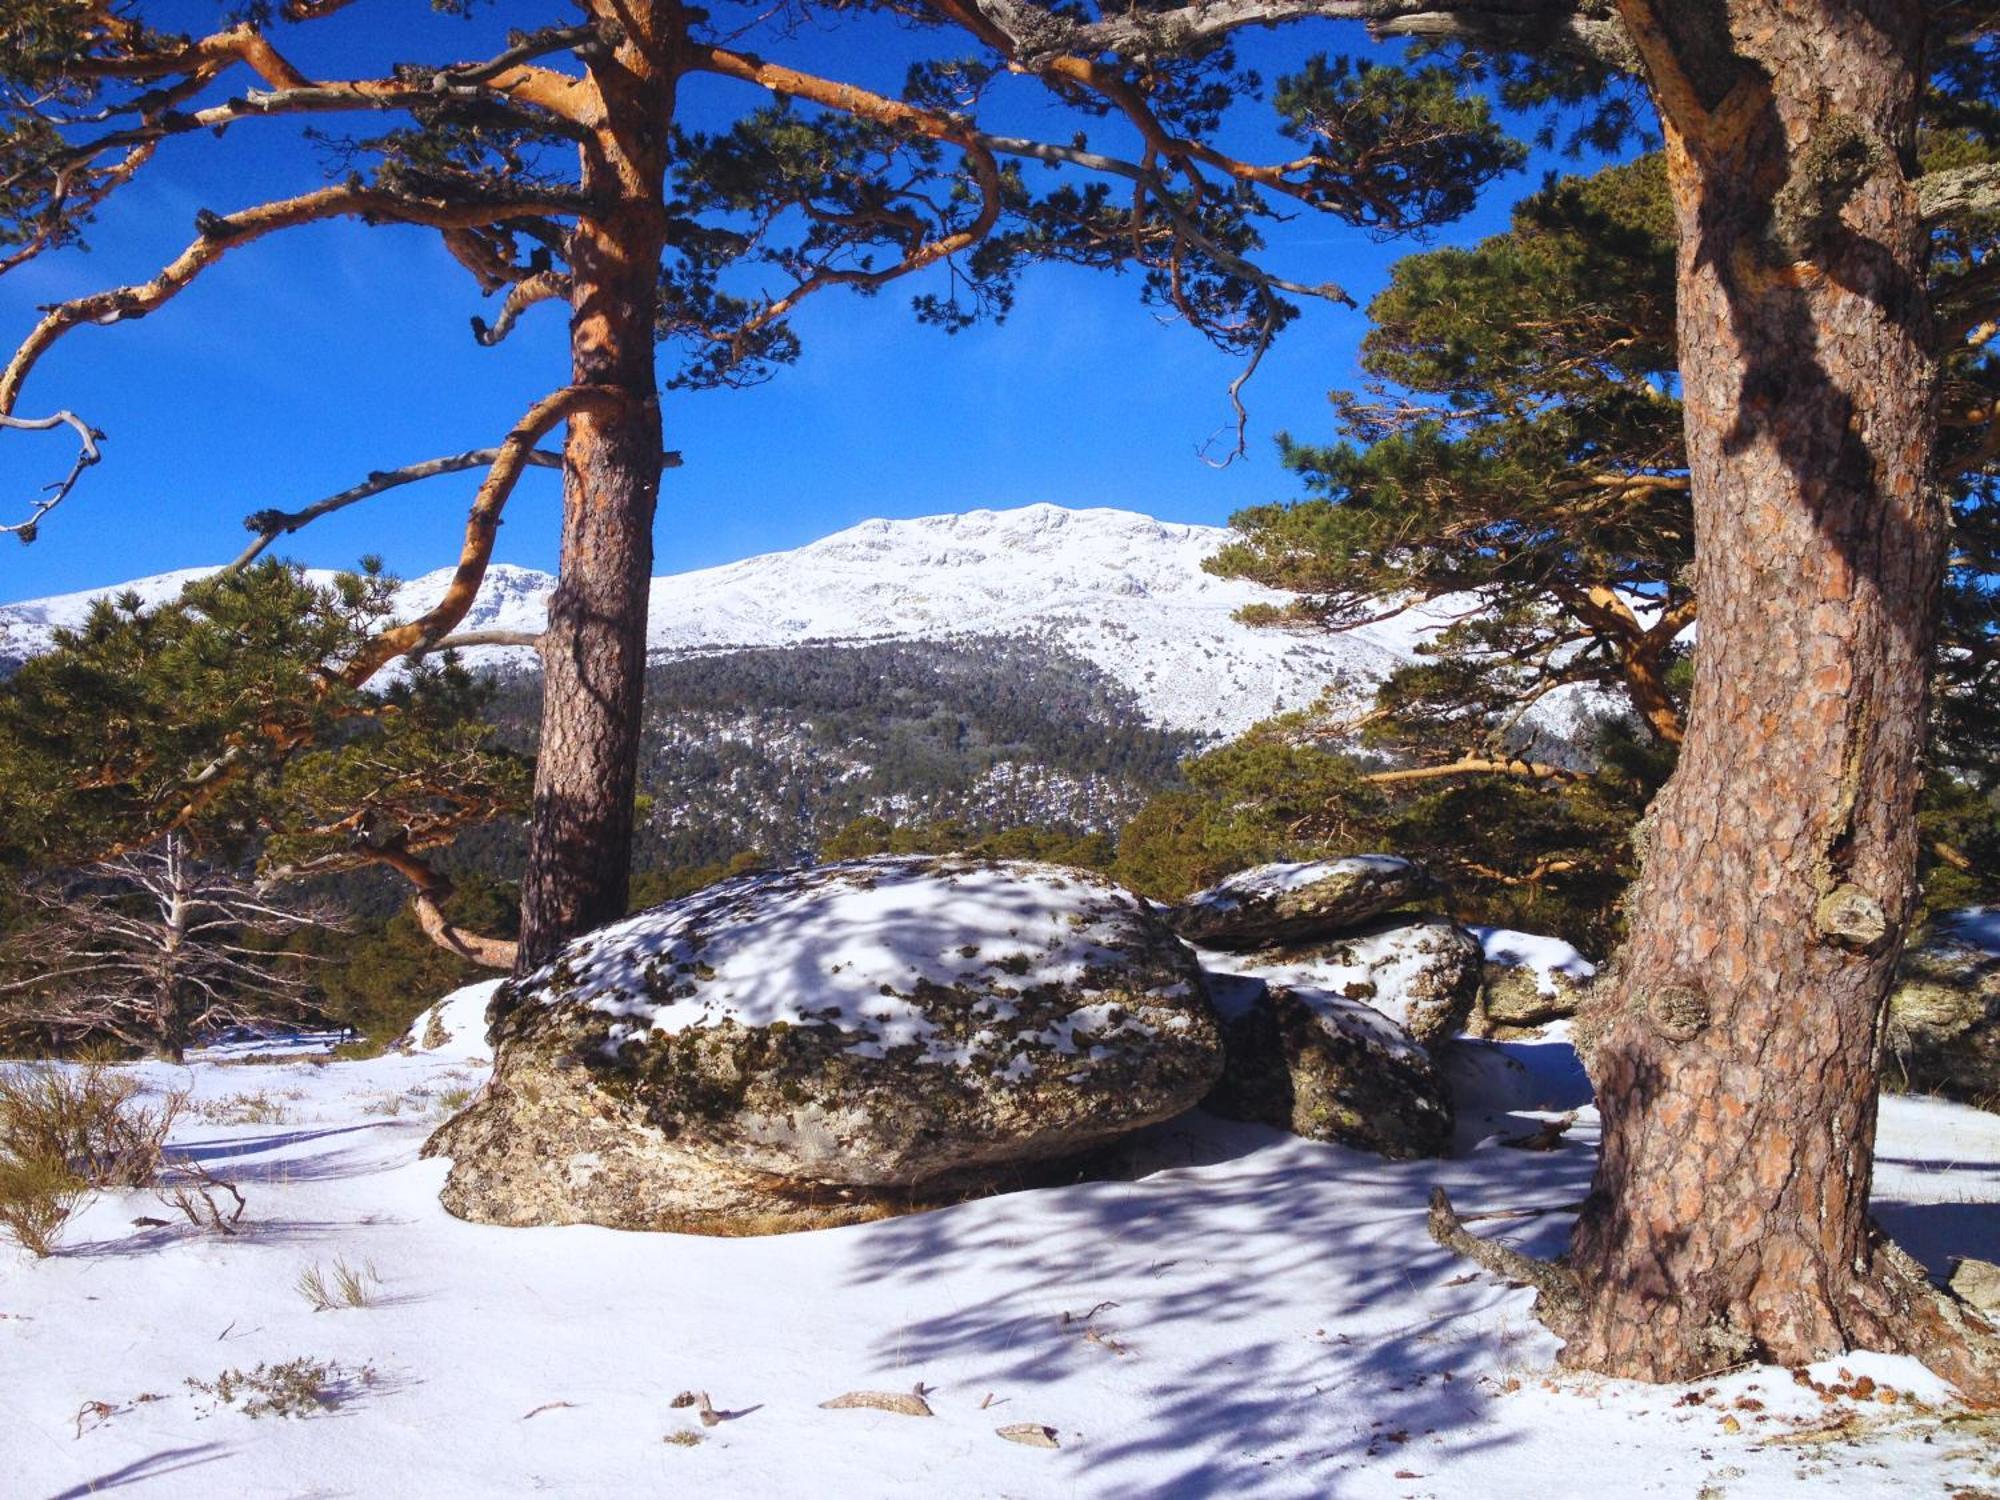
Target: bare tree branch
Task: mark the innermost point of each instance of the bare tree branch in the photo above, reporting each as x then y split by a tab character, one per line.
272	524
1959	192
481	526
220	233
57	492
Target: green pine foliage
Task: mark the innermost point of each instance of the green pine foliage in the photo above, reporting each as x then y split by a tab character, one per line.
222	718
1520	450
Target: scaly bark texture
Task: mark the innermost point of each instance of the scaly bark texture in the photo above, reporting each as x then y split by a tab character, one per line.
1734	1054
594	653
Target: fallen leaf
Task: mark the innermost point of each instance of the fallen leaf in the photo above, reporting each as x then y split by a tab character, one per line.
904	1403
1030	1434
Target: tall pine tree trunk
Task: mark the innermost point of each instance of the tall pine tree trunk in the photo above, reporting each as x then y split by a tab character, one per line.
1734	1052
594	653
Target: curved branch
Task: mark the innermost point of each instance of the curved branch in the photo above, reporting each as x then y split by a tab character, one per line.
540	286
219	234
433	889
87	454
482	524
272	524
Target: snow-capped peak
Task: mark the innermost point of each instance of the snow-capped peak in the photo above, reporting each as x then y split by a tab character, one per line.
1124	590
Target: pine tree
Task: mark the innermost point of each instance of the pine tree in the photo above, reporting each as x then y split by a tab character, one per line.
556	170
221	718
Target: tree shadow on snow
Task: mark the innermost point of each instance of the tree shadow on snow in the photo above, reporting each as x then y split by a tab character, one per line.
230	1158
167	1461
1345	1338
1939	1233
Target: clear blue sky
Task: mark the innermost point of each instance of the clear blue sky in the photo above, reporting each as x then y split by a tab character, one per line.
303	361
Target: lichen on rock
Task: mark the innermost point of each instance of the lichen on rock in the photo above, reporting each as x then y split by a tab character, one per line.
1327	1068
873	1034
1290	903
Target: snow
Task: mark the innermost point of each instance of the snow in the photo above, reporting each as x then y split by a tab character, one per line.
1544	957
851	944
1262	881
1976	925
1251	1315
1120	589
1381	965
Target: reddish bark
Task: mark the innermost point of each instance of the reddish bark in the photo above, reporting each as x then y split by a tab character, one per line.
594	653
1734	1052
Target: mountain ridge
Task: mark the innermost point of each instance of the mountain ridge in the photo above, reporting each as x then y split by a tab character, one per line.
1120	589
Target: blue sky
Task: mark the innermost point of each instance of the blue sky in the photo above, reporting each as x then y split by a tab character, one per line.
304	361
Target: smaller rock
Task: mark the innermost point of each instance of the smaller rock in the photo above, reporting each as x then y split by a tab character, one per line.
1422	972
1326	1068
903	1403
1289	903
1032	1434
1944	1016
1977	1283
1529	981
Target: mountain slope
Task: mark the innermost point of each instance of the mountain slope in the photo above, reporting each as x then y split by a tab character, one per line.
1118	589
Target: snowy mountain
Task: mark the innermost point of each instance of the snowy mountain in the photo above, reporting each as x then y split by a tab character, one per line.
1119	589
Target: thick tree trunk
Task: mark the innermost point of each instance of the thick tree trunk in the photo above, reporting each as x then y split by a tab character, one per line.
594	654
1734	1053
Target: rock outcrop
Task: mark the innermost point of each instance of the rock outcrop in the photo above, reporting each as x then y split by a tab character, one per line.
1327	1068
1419	972
1327	1004
1291	903
1529	981
807	1047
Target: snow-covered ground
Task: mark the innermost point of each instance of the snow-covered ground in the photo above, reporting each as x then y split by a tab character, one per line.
1249	1315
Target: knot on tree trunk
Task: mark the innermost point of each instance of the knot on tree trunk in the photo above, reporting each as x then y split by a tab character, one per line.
1679	1012
1851	918
1840	156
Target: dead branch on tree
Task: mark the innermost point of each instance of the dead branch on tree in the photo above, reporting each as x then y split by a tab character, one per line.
272	524
55	493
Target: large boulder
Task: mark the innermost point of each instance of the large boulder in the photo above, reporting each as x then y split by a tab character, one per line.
818	1044
1944	1016
1327	1068
1421	972
1290	903
1529	981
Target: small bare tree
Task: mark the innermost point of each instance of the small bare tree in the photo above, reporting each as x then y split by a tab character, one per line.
156	948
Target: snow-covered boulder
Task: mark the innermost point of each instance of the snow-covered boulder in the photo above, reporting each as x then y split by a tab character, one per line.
1421	972
1944	1016
840	1041
1288	903
1529	981
1327	1068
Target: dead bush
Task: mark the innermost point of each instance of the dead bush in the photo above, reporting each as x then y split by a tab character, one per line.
89	1118
67	1131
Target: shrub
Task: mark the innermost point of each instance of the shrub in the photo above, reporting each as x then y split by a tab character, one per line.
38	1197
299	1387
89	1119
353	1286
65	1132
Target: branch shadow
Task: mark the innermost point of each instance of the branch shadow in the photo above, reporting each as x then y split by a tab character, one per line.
1232	1229
167	1461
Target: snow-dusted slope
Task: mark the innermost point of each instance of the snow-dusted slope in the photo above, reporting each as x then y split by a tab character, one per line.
1121	589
